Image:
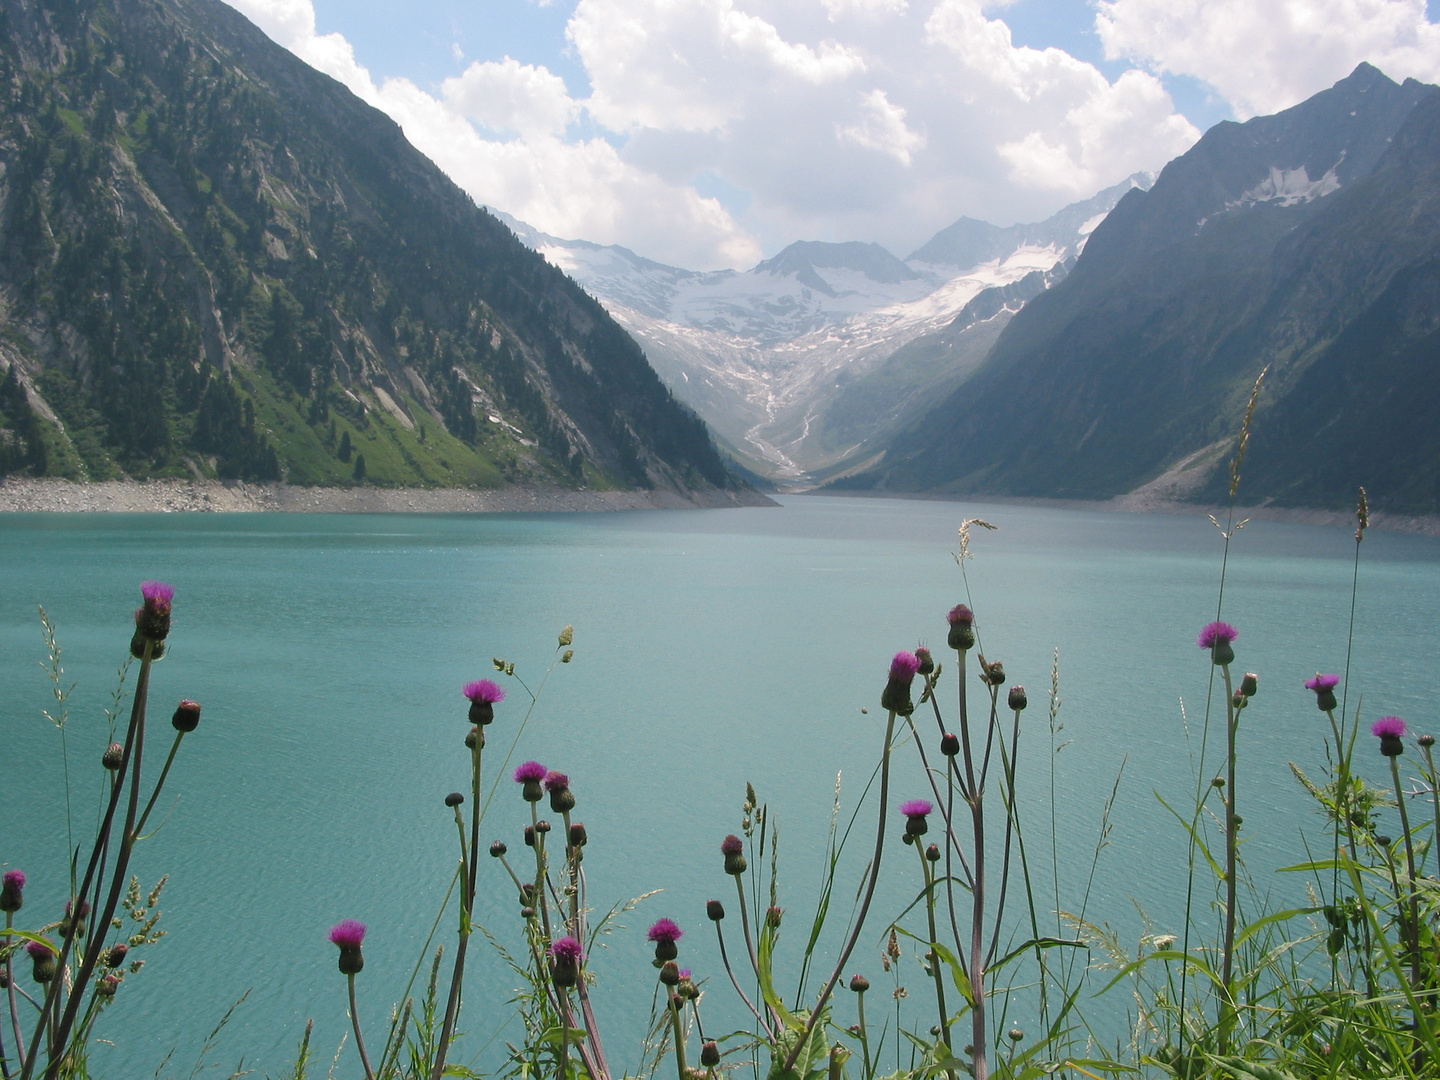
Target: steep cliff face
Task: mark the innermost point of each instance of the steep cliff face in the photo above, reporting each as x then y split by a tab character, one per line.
1306	241
217	261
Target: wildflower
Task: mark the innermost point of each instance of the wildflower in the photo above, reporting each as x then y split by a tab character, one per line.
962	628
1217	637
896	697
714	910
932	853
859	983
949	744
562	799
578	836
927	662
12	887
1017	699
1389	730
484	695
531	775
42	955
114	754
915	811
74	923
1324	687
565	958
348	934
152	619
665	933
107	985
1249	685
670	973
116	956
1164	941
733	848
710	1054
187	716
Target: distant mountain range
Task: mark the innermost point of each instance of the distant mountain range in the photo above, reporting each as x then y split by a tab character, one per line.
1308	242
215	261
807	364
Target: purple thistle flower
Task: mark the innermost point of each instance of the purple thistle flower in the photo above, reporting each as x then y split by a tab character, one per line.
916	808
532	772
1217	633
904	667
567	950
915	811
348	933
960	615
684	974
12	897
1322	682
40	950
158	595
14	879
484	690
1388	727
666	931
556	781
732	845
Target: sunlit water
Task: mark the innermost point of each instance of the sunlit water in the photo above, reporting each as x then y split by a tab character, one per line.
712	648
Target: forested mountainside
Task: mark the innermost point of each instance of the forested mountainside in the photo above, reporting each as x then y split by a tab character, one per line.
1308	241
215	261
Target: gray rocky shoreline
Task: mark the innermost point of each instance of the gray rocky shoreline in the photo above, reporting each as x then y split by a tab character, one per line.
25	495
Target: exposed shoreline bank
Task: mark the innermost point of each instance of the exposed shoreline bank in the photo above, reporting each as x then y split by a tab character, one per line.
25	495
1423	524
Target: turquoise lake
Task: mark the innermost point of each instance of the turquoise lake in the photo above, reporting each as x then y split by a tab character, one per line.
712	648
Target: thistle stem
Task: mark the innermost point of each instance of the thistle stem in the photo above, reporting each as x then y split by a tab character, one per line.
359	1039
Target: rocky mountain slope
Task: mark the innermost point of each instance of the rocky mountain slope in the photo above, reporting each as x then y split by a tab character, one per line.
1308	241
807	363
215	261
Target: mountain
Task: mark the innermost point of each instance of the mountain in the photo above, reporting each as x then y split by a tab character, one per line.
1307	241
790	361
215	261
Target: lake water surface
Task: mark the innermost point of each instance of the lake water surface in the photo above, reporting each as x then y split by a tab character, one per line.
712	648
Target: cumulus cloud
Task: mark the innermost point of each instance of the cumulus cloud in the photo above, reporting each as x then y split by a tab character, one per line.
1264	57
867	120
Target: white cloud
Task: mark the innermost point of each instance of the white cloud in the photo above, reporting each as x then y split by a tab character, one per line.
1266	55
875	120
882	127
511	96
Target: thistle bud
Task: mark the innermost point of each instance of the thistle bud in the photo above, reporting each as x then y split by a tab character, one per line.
12	891
73	921
529	835
152	619
962	629
106	985
949	744
714	910
992	674
710	1054
454	799
186	717
733	848
1017	699
484	695
1249	684
773	916
1016	1034
670	973
115	957
348	935
896	695
859	983
527	913
498	849
1425	741
473	738
562	799
578	836
113	756
565	958
927	662
42	956
932	853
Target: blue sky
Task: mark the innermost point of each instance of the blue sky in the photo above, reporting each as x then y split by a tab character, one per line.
711	133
